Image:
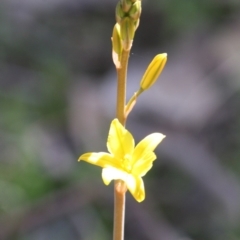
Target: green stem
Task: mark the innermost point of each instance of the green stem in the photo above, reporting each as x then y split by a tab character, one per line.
119	210
131	103
120	186
121	87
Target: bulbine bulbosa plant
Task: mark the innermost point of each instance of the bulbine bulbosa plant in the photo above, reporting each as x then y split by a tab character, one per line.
126	163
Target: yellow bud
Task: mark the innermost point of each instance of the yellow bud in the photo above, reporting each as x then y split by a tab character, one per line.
153	71
127	30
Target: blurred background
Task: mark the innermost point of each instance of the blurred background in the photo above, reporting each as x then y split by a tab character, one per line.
58	97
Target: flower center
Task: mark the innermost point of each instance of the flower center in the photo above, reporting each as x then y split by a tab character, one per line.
127	163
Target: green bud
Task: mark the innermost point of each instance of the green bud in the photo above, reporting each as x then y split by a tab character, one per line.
126	5
153	71
116	39
136	24
116	44
135	10
127	30
120	14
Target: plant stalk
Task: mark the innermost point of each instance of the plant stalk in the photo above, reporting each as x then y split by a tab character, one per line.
120	186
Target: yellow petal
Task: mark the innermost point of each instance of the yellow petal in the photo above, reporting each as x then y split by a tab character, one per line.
148	144
134	183
110	173
136	187
120	142
143	165
100	159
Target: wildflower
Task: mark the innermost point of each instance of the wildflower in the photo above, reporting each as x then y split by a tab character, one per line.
125	161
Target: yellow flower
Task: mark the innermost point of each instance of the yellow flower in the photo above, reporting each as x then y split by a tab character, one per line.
125	161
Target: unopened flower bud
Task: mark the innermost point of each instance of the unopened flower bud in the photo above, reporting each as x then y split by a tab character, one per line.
136	24
127	30
153	71
116	39
116	45
135	10
120	14
126	5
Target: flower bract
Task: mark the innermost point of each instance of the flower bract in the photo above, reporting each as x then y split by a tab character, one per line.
125	161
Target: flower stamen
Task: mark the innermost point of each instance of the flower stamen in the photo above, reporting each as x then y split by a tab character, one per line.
127	163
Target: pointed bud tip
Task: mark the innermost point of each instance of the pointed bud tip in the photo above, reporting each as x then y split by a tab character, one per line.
164	55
